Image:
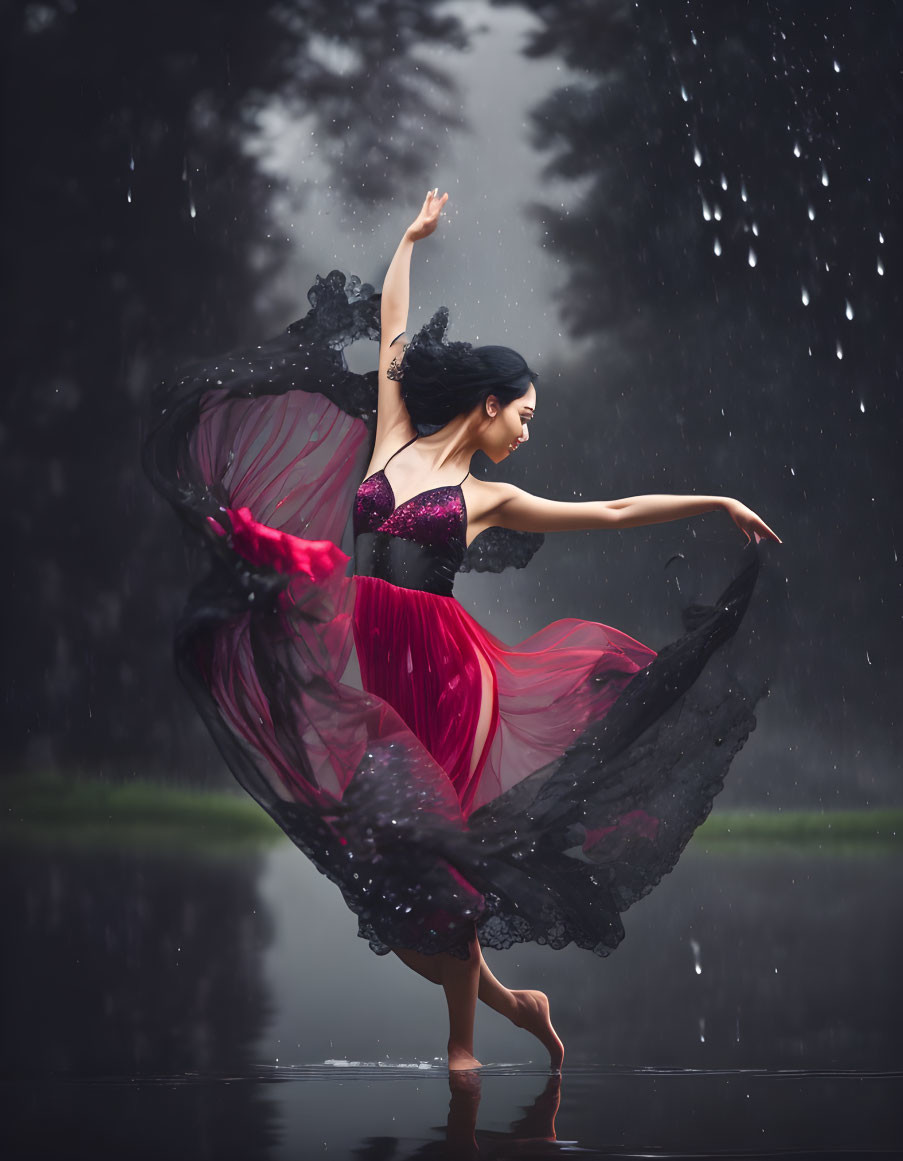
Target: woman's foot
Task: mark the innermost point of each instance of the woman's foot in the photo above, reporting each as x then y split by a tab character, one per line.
533	1015
459	1060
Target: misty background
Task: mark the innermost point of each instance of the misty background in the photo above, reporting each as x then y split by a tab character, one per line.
685	216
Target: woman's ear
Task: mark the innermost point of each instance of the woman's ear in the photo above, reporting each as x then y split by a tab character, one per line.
492	406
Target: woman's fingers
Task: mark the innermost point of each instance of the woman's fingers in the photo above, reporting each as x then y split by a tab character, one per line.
761	531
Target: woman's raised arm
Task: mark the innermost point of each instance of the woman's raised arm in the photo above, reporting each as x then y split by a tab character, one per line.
393	423
510	507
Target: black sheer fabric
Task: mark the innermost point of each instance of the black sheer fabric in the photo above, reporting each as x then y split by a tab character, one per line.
260	453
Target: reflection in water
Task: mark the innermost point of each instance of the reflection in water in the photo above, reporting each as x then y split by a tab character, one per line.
130	966
142	993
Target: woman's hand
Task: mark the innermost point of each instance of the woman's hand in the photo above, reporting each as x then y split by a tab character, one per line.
428	218
747	521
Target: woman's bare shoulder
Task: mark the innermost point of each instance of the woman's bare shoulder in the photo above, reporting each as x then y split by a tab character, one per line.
392	441
485	498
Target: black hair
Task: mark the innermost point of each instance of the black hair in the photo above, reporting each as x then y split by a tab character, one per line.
440	380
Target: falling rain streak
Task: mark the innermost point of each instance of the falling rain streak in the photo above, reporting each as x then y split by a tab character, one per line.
804	138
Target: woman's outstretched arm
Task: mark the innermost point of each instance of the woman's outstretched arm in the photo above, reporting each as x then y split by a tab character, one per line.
393	425
510	507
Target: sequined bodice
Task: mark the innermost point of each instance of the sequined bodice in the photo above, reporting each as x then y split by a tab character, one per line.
435	518
419	544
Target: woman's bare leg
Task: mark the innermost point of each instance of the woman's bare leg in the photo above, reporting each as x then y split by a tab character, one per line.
528	1009
460	980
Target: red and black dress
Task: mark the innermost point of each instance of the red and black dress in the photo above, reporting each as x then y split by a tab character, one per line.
440	778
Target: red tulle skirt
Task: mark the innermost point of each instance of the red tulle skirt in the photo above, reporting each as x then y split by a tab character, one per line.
441	670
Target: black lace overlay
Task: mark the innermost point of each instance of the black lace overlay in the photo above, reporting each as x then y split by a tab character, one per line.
496	549
557	858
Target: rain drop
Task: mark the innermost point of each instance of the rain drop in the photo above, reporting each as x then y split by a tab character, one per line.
849	311
752	257
131	163
723	182
824	175
805	296
683	93
880	266
880	237
129	196
706	212
716	213
755	229
697	156
743	194
836	67
793	471
811	213
862	406
839	350
717	248
696	964
693	38
796	149
868	659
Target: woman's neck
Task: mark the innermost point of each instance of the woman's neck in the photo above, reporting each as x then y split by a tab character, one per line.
452	445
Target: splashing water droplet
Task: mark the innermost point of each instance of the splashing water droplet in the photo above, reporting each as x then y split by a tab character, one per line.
723	182
752	257
683	93
796	149
849	311
839	350
812	213
824	175
880	267
717	248
805	297
697	156
706	211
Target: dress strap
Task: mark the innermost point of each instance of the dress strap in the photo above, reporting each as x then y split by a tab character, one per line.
401	449
468	473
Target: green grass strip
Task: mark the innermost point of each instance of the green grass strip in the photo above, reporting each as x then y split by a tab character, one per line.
89	814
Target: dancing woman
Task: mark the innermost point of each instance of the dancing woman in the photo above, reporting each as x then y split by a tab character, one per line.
471	792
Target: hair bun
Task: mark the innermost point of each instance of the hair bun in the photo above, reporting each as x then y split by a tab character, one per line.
440	380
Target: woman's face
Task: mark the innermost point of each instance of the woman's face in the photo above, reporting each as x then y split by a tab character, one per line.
508	426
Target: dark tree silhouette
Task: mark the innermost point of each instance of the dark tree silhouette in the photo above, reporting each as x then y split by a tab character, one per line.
139	236
739	201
